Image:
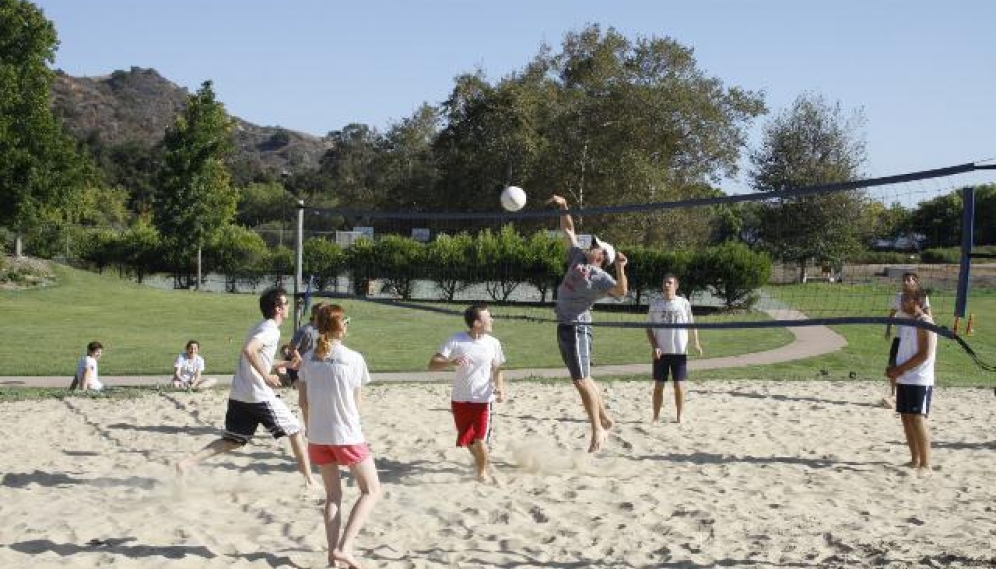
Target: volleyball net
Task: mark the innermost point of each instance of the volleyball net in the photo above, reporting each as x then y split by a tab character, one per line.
827	255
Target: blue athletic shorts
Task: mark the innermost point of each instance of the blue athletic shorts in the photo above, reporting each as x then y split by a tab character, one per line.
674	364
913	399
574	341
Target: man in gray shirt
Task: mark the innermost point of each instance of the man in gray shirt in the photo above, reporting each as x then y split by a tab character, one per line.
585	282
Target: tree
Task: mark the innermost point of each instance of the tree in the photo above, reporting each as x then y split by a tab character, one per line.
813	142
41	173
605	121
195	197
348	165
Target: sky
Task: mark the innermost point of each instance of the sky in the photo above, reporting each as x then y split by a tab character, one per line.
921	71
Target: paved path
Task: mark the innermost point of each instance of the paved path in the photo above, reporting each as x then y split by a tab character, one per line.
809	341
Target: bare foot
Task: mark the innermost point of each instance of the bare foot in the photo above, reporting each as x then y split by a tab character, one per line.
346	559
606	422
924	472
597	439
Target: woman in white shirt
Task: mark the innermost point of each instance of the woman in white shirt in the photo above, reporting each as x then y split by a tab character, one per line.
188	368
331	376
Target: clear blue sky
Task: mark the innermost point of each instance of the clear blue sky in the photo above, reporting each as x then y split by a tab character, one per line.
922	70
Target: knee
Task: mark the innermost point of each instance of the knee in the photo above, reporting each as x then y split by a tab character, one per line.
373	490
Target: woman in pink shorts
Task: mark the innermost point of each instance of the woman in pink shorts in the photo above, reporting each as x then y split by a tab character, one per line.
331	376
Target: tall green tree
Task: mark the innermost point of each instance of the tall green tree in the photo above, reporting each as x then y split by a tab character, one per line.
607	120
812	142
41	173
195	198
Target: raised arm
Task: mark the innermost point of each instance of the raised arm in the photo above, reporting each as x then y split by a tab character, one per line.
566	223
622	284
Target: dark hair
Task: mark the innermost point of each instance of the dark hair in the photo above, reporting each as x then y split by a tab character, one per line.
270	300
315	308
916	294
670	276
93	347
473	313
192	343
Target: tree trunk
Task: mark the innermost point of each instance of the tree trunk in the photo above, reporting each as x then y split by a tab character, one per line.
18	246
197	285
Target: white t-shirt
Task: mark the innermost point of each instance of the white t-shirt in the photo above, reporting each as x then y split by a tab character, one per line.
333	418
247	385
188	366
676	311
922	374
472	382
89	363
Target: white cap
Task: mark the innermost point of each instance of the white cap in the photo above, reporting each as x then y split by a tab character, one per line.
610	251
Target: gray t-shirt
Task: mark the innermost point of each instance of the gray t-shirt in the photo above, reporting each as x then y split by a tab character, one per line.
305	339
583	284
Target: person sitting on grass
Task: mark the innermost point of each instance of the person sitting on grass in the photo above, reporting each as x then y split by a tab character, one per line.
87	377
188	368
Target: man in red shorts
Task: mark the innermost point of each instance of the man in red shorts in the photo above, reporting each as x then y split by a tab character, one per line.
476	357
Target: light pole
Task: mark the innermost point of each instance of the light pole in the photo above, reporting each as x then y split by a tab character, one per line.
298	263
298	249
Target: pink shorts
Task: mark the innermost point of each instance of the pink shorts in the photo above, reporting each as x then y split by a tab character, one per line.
345	455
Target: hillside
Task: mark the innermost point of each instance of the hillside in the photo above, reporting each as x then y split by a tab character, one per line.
136	106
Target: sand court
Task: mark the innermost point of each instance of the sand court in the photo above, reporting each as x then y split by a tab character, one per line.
799	474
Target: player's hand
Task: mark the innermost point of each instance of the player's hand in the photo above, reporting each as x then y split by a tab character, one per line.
500	394
459	361
698	348
273	380
656	353
620	259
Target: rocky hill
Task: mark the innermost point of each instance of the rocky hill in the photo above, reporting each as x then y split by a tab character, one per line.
138	105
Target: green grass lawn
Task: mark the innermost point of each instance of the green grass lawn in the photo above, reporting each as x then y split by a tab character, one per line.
143	329
45	330
867	349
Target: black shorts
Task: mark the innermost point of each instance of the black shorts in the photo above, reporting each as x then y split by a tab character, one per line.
913	399
242	418
574	341
674	364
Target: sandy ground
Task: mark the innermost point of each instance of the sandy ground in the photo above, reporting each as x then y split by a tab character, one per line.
805	474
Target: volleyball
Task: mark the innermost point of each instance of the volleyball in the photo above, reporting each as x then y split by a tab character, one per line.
513	198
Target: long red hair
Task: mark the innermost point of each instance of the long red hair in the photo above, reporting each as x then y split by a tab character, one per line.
330	323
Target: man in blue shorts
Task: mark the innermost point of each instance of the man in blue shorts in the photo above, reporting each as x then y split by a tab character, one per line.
252	401
585	282
669	346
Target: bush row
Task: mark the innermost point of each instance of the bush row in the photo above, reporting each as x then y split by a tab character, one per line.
500	261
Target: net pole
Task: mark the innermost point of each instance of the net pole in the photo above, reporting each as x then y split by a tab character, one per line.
967	232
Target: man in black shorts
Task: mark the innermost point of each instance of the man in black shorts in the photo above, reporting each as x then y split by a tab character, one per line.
252	401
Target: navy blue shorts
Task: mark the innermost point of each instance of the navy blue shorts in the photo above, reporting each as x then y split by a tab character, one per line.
574	341
913	399
674	364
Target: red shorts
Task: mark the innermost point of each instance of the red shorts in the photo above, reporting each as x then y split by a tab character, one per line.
345	455
473	421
